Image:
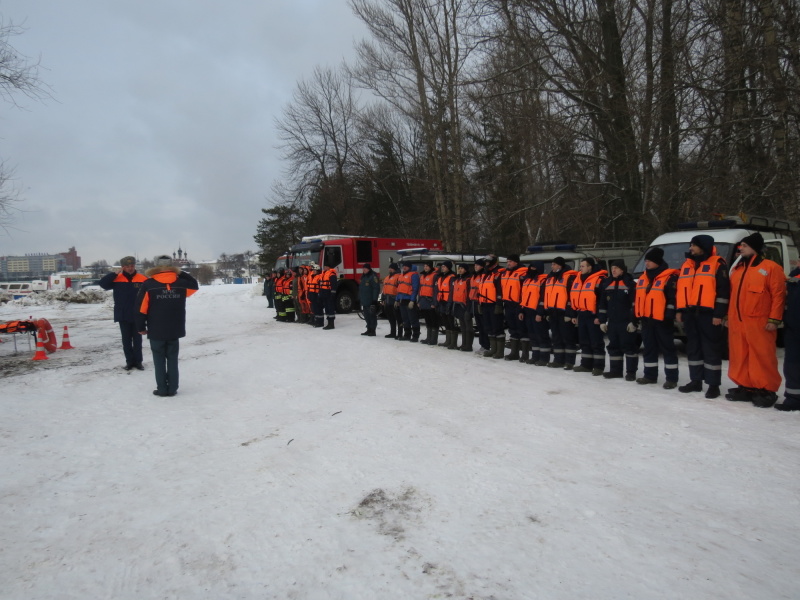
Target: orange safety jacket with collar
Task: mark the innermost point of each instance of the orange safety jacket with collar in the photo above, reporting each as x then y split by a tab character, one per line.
532	291
511	284
583	295
556	294
404	285
313	283
651	297
697	283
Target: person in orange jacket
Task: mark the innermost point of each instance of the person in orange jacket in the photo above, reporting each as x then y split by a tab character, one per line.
758	294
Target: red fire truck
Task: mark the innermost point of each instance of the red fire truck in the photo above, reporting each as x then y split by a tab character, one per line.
348	254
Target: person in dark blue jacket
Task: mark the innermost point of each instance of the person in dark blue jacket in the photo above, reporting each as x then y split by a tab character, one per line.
368	291
615	314
791	340
161	315
125	285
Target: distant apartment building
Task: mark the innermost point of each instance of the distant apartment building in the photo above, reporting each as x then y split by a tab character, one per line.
38	265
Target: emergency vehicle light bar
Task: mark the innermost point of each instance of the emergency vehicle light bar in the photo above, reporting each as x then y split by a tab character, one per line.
718	224
553	248
404	251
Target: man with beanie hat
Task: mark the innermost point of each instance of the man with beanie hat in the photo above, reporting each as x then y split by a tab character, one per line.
617	321
407	291
701	304
125	283
460	308
535	340
161	314
655	308
490	298
758	293
474	301
388	298
554	306
368	292
583	300
511	287
444	291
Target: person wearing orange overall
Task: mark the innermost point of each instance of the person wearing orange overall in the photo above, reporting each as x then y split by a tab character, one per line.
758	294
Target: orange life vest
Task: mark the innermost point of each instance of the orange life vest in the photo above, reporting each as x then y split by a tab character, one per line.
427	281
698	286
488	289
404	285
390	285
443	287
583	295
556	294
532	291
461	290
651	300
313	283
475	286
511	284
325	281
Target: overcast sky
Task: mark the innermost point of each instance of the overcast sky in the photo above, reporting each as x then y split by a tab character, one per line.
160	130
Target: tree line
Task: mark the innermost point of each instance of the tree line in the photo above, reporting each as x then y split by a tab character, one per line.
493	124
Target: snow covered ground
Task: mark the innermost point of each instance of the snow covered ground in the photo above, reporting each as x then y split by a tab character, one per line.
307	464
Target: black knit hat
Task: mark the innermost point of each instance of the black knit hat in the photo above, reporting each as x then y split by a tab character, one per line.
755	241
394	266
559	260
480	262
447	263
704	242
620	264
367	266
655	255
513	257
589	261
537	266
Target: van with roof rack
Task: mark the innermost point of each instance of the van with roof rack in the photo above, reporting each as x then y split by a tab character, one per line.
602	253
727	232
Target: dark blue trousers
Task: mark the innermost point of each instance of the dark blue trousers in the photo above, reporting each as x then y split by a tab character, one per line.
593	351
565	338
515	326
165	364
658	337
791	363
131	342
539	334
622	347
704	346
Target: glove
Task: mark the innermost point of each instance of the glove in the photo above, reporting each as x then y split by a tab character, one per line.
498	309
631	328
411	305
604	327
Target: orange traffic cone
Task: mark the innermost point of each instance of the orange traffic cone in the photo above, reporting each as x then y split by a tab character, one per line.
65	345
40	353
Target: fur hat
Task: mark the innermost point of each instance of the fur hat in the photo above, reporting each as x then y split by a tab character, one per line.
755	241
128	261
655	255
164	261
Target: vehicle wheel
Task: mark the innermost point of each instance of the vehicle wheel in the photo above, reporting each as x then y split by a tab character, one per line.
345	302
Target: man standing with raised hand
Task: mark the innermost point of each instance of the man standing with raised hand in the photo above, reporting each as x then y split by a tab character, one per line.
161	315
125	284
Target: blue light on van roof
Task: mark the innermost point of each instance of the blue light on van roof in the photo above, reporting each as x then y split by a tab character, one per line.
718	224
553	248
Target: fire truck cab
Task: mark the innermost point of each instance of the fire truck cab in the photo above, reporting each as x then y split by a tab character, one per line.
348	254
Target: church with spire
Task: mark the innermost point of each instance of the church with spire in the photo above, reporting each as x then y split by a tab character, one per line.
181	258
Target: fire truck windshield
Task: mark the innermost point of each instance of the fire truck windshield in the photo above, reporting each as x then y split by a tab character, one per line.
304	257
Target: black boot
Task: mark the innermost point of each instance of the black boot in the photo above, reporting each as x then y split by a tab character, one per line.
492	347
329	325
466	344
392	334
514	354
448	335
692	386
453	345
525	354
414	335
501	347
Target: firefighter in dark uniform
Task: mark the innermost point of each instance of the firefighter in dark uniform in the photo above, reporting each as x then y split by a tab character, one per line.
407	290
791	340
491	307
615	314
702	304
583	299
327	294
511	287
535	339
388	299
553	307
427	303
313	295
655	308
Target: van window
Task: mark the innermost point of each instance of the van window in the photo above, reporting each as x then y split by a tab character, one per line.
675	255
363	251
774	252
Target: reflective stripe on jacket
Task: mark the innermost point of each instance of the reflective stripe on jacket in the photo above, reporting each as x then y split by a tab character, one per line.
443	288
697	283
556	294
511	284
651	297
583	295
532	291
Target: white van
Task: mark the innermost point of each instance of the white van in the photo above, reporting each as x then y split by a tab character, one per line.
17	289
602	252
727	233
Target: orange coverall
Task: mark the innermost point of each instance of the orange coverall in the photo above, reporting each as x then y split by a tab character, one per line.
758	293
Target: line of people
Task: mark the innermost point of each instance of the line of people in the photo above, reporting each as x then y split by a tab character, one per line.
552	316
306	294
